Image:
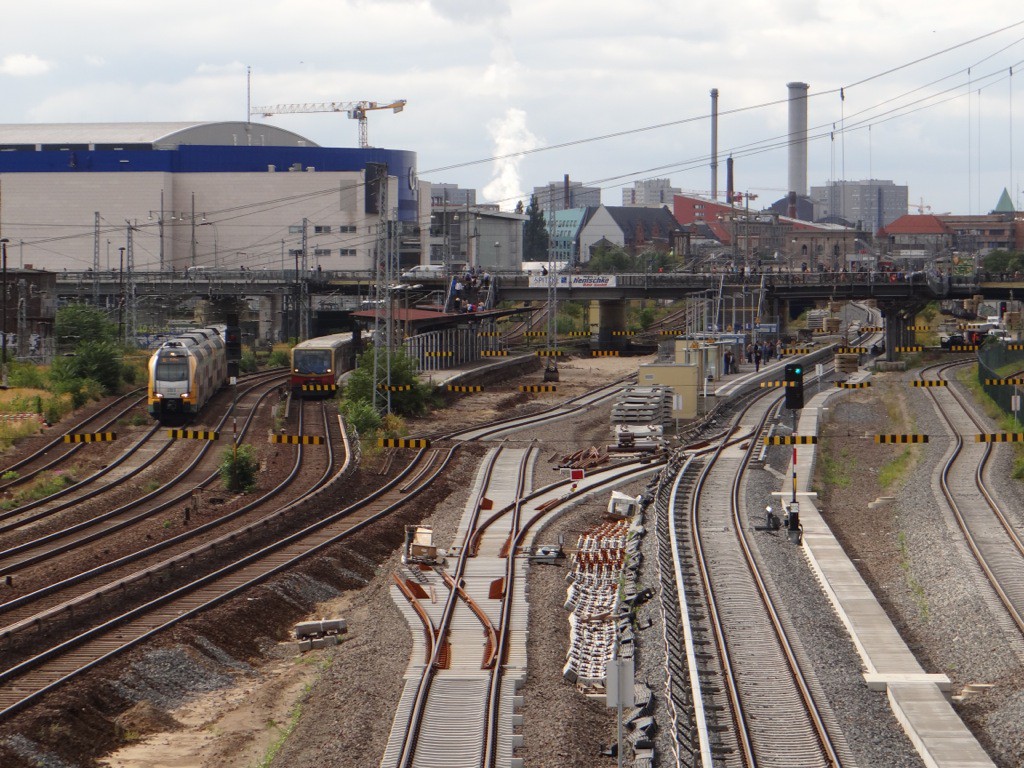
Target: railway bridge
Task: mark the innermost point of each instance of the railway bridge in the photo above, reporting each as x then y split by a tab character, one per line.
284	296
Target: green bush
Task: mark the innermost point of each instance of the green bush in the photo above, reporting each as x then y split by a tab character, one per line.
56	408
239	468
26	376
248	363
361	416
412	402
279	358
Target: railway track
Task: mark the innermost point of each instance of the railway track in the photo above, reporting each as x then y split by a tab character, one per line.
993	540
741	656
470	654
23	683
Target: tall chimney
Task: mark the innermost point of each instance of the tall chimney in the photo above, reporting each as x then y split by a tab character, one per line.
714	143
565	193
797	142
728	180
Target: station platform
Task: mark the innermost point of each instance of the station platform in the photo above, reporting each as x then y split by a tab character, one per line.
917	698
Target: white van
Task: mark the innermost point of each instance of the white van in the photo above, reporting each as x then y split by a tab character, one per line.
424	271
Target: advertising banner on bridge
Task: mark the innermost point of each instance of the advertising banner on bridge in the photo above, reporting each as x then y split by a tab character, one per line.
573	281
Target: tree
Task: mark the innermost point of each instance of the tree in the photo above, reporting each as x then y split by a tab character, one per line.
610	261
77	323
535	233
411	402
97	361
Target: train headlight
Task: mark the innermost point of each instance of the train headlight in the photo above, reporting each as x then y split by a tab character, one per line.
159	395
184	395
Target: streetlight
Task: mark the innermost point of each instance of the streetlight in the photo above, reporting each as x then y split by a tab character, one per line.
3	308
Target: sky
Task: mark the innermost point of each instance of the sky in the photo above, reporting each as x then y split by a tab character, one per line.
606	92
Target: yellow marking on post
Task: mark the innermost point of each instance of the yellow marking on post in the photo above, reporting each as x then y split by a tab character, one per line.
964	348
929	383
402	442
494	353
465	388
853	384
395	387
604	353
768	384
851	350
297	439
192	434
919	327
439	354
489	333
917	348
535	334
1004	382
872	329
791	440
90	437
578	334
901	439
538	388
1000	437
549	353
672	332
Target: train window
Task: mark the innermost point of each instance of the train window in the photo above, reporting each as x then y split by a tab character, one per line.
313	361
168	369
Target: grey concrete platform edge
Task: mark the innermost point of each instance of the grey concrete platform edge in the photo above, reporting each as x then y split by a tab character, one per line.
917	698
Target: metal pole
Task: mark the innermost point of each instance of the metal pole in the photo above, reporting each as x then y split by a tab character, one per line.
3	343
120	302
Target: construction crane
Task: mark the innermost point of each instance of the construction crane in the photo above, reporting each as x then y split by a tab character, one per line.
356	110
921	207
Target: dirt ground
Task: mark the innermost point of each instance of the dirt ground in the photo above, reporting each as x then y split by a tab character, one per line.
242	725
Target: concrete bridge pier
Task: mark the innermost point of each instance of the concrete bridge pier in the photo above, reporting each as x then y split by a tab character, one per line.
609	317
899	315
271	318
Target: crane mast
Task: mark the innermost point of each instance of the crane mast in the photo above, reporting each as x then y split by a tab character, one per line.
356	110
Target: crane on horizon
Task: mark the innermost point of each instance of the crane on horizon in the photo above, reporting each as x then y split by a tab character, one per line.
356	110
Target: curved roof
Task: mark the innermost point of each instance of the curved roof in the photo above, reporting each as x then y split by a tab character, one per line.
158	135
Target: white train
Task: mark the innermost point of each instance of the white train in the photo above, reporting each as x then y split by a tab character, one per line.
185	372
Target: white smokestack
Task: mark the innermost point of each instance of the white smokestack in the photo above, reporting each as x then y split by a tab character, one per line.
798	138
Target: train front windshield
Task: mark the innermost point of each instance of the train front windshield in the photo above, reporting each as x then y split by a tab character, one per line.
312	361
171	369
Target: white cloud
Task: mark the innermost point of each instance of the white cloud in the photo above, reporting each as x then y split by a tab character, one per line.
24	65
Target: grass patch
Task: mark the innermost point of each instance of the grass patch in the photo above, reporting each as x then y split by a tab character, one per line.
284	730
835	470
892	472
47	484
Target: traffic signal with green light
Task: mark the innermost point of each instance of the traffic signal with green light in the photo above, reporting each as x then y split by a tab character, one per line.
794	386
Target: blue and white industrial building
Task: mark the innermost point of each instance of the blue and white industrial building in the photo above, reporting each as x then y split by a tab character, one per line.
212	195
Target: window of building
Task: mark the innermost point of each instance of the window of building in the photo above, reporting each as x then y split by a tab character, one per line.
295	229
347	228
324	252
322	229
347	252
